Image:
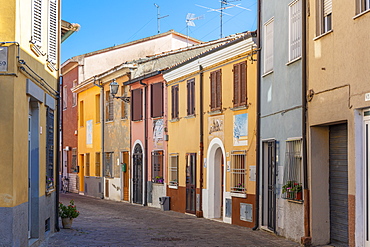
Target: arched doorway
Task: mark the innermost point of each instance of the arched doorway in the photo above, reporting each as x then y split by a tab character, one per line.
137	178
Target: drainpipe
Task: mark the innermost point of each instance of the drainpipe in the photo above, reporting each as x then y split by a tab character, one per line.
102	131
145	202
258	128
201	144
59	128
306	240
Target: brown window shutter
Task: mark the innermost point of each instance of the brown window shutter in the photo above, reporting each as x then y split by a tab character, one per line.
188	88
193	96
243	83
173	102
156	99
177	101
137	104
213	90
236	84
218	90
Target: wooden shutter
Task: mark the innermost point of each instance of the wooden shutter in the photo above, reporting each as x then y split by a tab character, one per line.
173	102
243	83
36	22
191	97
219	90
236	84
188	87
295	29
213	90
137	104
156	99
52	32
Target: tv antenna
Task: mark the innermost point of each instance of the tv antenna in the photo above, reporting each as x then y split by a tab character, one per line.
159	17
225	4
190	18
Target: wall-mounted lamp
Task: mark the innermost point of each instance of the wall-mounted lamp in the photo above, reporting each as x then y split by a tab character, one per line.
114	89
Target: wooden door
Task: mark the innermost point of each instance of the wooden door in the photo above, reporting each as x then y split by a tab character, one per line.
125	175
191	183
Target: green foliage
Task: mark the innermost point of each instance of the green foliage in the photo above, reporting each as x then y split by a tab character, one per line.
292	186
69	211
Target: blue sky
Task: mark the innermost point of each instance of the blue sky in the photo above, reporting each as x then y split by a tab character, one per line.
113	22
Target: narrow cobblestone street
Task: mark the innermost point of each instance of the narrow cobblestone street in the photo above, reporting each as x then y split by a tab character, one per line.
109	223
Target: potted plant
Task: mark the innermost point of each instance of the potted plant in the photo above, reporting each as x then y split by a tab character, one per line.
158	180
298	191
68	213
288	189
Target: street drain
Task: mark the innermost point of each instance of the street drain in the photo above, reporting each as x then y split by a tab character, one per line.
166	239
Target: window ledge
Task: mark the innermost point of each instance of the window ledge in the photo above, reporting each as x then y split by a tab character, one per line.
361	14
215	112
109	121
240	195
268	73
294	201
237	108
155	118
190	116
294	60
140	120
322	35
124	118
174	120
173	187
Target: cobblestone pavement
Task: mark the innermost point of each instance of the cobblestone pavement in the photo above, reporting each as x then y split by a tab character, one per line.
109	223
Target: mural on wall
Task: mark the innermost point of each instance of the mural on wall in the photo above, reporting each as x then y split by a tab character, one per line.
216	127
89	129
158	133
240	132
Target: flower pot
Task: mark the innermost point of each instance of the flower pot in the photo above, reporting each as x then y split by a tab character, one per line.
298	196
67	223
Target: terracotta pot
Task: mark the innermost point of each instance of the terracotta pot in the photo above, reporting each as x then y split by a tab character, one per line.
298	196
67	223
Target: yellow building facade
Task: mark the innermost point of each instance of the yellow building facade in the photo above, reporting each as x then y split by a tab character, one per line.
29	62
212	133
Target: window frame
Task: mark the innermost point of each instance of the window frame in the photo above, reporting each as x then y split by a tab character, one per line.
156	100
238	172
240	84
87	164
108	164
74	160
173	180
137	104
74	95
109	106
52	31
157	160
124	104
175	102
268	40
216	90
81	114
190	84
97	164
324	21
65	97
36	23
295	30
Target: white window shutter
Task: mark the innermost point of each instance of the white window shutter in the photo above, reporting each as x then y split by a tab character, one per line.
295	29
36	22
52	31
269	46
327	7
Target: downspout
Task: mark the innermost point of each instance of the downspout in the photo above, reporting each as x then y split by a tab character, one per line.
201	144
60	129
145	202
258	128
102	131
306	240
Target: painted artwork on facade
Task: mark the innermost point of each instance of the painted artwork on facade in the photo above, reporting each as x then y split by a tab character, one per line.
240	132
89	129
158	133
216	127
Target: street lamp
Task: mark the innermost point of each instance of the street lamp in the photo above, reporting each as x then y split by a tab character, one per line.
114	89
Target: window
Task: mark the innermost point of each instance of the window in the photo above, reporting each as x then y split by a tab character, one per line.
97	164
238	172
324	16
157	167
362	6
240	84
216	90
191	97
74	95
173	173
295	29
49	148
137	104
175	101
81	115
108	106
65	97
52	32
156	96
268	54
108	164
292	182
36	23
124	104
87	164
74	160
97	108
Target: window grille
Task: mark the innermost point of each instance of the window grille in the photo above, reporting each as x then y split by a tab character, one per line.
52	32
175	101
109	106
238	172
216	90
292	182
295	29
191	97
157	167
173	170
269	46
240	84
74	160
97	164
108	164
